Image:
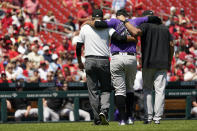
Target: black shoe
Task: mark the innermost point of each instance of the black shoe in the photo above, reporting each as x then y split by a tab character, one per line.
147	122
103	119
97	122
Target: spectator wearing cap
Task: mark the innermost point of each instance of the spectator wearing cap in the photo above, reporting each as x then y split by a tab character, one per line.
172	16
70	27
22	46
35	57
53	66
182	17
47	55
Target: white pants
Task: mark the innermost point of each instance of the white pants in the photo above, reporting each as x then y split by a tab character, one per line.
55	115
194	111
158	79
123	71
49	113
21	112
84	114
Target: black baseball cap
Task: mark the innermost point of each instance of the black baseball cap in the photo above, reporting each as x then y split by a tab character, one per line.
97	13
147	12
122	12
70	17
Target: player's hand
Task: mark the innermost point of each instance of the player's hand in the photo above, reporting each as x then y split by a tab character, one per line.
81	65
26	114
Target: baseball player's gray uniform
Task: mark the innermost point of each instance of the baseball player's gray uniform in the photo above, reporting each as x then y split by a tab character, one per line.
123	67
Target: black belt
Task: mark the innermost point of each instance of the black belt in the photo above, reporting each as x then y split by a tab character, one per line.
97	57
121	53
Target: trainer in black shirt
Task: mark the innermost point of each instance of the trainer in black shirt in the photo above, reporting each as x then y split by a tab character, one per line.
157	52
155	46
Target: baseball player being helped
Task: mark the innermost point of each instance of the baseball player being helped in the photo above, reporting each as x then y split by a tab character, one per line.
123	63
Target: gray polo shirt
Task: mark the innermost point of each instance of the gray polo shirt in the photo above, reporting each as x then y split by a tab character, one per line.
96	41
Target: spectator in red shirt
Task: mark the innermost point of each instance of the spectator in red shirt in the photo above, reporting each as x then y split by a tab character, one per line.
4	78
6	21
13	53
69	3
137	6
27	26
83	15
65	46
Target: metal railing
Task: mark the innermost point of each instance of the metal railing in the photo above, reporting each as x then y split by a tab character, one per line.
39	95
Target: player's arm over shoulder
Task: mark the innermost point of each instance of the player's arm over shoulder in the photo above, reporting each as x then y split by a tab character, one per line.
143	27
121	38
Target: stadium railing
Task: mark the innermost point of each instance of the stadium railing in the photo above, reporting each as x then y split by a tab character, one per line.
174	90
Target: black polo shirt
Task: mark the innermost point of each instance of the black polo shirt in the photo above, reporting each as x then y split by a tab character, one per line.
155	46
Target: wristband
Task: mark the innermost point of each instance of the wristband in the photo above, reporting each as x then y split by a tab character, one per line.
125	21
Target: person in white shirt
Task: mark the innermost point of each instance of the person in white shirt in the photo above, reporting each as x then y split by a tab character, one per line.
35	57
43	70
97	65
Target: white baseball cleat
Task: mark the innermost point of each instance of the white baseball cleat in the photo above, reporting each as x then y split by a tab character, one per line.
122	123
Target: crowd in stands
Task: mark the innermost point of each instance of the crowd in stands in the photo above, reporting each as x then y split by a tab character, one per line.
25	56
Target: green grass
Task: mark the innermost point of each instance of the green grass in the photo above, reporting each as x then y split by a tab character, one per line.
166	125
